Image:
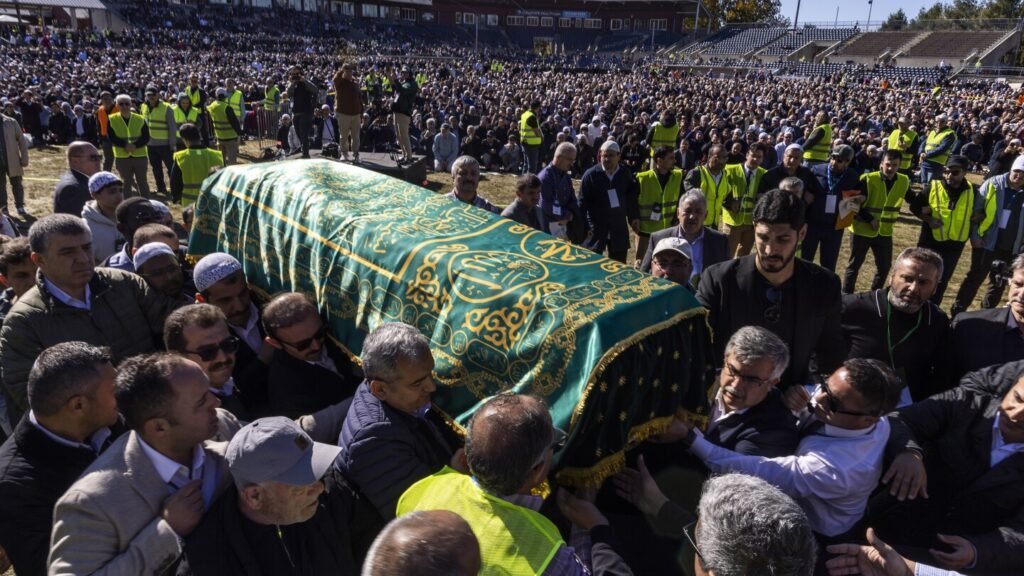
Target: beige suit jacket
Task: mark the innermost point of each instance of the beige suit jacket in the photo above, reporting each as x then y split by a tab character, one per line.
109	522
17	148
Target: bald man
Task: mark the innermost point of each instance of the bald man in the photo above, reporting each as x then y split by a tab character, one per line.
72	190
425	543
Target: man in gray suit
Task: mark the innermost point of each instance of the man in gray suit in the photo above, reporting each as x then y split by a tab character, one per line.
131	509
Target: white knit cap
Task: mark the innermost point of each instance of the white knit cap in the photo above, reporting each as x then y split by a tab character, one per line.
149	251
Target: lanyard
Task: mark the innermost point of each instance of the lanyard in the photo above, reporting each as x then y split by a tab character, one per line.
831	185
888	332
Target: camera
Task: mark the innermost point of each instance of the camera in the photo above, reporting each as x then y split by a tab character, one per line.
1000	272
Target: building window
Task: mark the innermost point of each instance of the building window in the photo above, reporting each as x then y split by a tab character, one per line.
458	18
565	22
514	20
592	24
468	18
369	10
532	21
492	19
657	24
616	24
409	14
577	22
547	22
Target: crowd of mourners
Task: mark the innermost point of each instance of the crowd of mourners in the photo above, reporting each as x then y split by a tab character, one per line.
161	419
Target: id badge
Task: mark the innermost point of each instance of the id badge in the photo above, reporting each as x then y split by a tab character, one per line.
656	214
1004	218
613	198
557	210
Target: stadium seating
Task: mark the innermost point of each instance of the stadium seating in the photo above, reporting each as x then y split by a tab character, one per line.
958	44
874	44
747	40
791	40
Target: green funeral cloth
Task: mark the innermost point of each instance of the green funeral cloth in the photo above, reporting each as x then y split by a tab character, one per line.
614	352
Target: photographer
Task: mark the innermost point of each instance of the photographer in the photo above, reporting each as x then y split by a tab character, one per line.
1000	236
303	95
406	90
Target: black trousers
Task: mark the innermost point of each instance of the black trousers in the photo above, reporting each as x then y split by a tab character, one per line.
981	266
830	240
532	158
881	250
108	155
949	251
160	158
303	128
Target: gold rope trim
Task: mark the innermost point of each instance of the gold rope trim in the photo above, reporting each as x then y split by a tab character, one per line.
621	347
594	476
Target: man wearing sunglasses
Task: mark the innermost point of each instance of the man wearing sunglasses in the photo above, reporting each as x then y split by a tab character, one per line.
200	333
797	300
839	459
308	372
72	190
950	211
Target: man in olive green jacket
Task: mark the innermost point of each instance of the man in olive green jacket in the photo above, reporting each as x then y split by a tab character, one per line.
74	301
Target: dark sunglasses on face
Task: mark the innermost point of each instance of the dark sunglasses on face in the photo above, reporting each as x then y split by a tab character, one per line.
307	342
208	353
833	405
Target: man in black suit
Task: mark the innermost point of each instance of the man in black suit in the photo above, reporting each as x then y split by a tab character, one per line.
308	372
992	336
956	482
72	190
709	246
747	414
900	326
797	300
609	196
72	417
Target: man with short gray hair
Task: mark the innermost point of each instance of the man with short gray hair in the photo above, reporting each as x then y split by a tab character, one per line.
562	216
390	438
465	179
129	136
748	526
709	245
426	543
73	301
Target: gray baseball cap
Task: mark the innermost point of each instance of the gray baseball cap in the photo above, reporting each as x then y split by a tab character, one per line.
843	152
277	449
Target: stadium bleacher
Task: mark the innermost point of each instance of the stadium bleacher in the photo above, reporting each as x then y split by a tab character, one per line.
792	40
873	44
957	44
747	40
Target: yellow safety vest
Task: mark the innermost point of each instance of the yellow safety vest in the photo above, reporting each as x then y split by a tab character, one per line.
658	205
664	137
956	219
714	194
221	126
270	99
235	101
181	117
193	95
513	539
195	165
823	148
528	136
933	141
901	140
156	116
881	204
990	197
132	130
745	191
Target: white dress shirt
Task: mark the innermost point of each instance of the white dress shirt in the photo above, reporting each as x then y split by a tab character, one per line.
176	475
831	476
95	441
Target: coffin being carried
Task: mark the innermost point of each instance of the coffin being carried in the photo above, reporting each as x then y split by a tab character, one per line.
613	351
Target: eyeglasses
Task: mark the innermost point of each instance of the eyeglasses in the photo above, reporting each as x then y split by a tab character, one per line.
558	441
773	312
834	406
209	352
307	342
734	372
690	532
